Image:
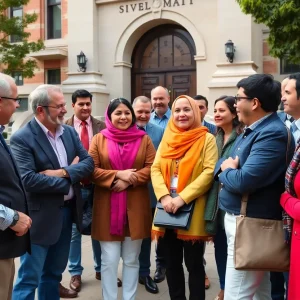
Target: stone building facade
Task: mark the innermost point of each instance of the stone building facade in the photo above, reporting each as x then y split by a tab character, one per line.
132	46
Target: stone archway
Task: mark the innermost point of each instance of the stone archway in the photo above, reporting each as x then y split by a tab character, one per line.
135	30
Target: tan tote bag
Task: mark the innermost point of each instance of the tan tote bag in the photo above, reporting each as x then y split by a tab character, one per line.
260	244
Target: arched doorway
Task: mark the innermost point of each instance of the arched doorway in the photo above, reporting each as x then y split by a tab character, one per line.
164	56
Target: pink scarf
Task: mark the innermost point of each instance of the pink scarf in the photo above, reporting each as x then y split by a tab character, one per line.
123	146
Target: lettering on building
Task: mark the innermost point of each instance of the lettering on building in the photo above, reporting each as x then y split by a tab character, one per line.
144	6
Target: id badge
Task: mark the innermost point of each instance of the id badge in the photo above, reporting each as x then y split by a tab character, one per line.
174	182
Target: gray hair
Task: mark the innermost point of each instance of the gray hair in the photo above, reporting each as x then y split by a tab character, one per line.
143	99
41	95
5	85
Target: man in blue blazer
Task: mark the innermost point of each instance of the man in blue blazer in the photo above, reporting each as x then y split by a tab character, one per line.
142	108
52	163
203	106
257	168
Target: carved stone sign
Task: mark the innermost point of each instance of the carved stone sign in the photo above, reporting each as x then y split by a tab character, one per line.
156	4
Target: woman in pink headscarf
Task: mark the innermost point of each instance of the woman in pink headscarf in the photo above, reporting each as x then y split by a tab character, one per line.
123	155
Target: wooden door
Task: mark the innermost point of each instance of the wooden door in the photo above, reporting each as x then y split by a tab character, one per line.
181	83
164	56
144	83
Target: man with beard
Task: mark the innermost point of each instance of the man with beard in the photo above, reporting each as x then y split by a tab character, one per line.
52	163
160	102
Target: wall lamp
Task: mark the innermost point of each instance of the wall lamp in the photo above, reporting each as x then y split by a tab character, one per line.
81	61
229	50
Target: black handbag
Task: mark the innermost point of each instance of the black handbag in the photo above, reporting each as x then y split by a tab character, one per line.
180	220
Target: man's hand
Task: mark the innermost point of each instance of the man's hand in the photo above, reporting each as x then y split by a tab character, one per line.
22	225
177	203
128	176
53	173
166	202
230	163
75	160
119	185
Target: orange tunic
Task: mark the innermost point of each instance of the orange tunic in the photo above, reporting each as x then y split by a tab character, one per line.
138	201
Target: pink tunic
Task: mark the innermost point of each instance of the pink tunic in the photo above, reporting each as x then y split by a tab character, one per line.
292	207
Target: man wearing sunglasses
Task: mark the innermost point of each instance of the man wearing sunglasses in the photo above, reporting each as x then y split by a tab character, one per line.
52	162
14	223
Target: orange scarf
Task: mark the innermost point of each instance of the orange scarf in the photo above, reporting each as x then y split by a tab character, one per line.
186	144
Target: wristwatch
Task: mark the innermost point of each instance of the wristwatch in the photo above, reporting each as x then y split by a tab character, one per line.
64	172
15	218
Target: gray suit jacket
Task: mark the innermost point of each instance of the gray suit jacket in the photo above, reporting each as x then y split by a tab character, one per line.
34	153
155	133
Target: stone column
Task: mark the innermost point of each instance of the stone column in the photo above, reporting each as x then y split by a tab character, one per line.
247	37
83	36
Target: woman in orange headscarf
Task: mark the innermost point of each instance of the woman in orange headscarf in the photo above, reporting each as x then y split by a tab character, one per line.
183	168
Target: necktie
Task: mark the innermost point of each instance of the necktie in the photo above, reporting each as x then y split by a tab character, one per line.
141	128
85	142
291	119
84	135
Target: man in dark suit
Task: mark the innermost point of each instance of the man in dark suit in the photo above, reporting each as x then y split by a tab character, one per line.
14	223
52	163
257	168
142	109
203	106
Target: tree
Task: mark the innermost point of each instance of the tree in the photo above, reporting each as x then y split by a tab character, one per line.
282	18
13	55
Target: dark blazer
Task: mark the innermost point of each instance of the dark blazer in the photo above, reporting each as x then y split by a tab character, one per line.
45	194
211	127
96	124
155	133
261	172
13	196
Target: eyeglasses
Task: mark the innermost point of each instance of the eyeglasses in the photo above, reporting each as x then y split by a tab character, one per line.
238	98
18	100
61	106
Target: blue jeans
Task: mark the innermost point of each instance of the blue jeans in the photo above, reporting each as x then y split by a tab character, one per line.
75	267
44	267
220	242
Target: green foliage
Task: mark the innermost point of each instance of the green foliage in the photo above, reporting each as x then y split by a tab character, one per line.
12	55
283	19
